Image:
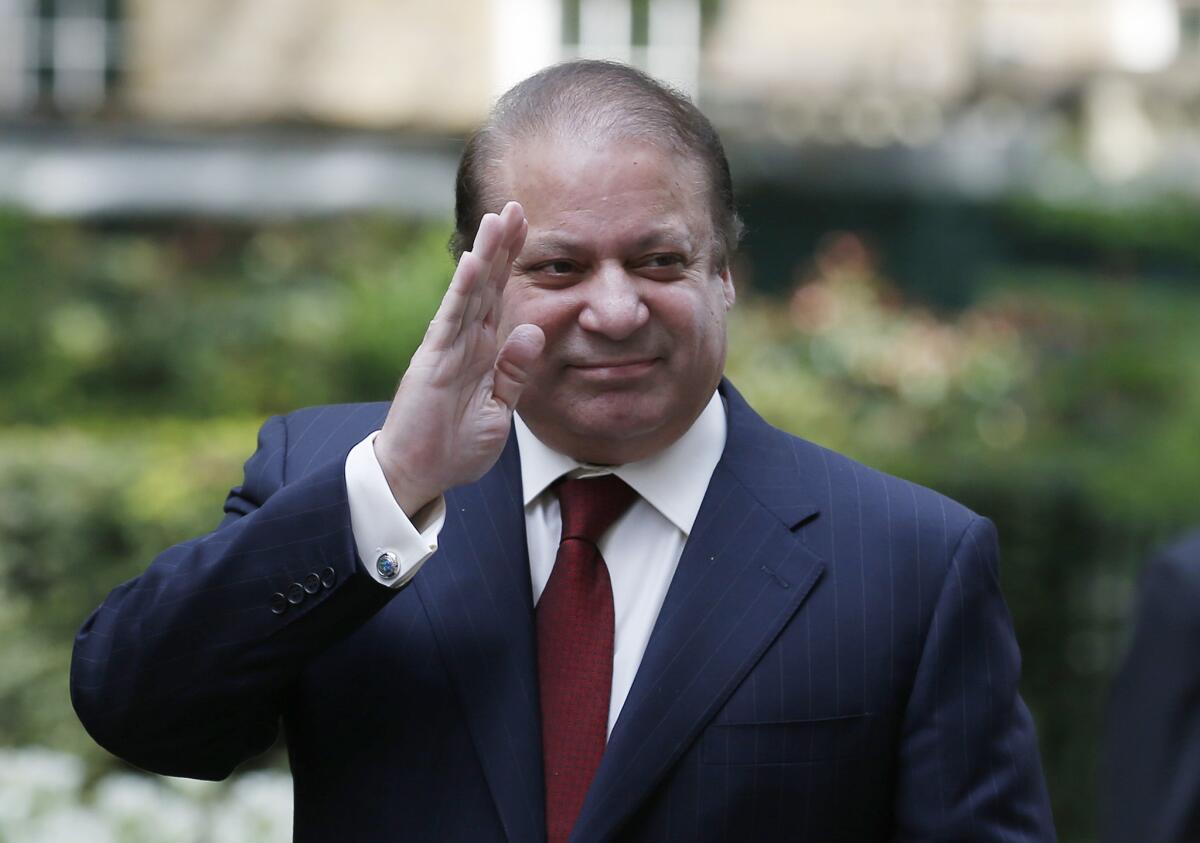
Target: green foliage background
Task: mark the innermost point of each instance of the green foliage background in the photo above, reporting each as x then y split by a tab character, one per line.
137	361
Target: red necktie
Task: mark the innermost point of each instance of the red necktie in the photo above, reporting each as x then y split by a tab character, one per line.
575	647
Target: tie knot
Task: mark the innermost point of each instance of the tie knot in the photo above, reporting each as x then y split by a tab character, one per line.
590	505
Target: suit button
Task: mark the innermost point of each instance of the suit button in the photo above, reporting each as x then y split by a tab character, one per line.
295	593
279	603
312	583
328	577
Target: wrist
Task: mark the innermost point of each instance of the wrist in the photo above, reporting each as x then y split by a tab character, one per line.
410	495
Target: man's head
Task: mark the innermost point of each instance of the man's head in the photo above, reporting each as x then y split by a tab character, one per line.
592	101
626	263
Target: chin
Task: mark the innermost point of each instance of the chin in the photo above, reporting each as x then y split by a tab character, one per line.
611	433
608	428
620	413
612	429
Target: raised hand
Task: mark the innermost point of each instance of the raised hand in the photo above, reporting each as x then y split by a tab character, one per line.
451	415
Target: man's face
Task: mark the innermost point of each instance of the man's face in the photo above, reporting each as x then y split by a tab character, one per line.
618	271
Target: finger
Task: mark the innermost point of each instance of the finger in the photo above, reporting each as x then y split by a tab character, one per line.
519	243
501	268
500	275
514	363
496	231
492	245
492	298
488	237
463	292
464	286
514	228
512	215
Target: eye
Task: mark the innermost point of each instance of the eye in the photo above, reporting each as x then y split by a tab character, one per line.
555	267
663	265
664	260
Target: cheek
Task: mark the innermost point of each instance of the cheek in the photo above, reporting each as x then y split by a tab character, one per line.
551	310
512	307
695	321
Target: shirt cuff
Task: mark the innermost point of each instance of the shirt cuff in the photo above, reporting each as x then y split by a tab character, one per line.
391	547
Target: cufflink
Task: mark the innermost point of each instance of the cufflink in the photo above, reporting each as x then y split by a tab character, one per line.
387	565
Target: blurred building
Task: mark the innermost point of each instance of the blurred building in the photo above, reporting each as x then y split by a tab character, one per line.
265	106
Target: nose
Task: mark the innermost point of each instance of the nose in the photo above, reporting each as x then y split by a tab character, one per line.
613	306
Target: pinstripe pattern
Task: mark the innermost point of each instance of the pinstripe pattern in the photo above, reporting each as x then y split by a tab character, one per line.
1150	770
833	661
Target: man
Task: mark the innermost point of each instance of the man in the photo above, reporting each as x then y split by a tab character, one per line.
1151	776
631	611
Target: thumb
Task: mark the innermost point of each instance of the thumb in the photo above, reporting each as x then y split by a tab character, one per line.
514	362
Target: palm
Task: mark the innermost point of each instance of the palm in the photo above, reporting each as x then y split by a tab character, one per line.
451	414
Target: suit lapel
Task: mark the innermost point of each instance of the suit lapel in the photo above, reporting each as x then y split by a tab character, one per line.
477	593
742	575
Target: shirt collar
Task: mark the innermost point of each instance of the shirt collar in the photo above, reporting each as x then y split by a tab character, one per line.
673	481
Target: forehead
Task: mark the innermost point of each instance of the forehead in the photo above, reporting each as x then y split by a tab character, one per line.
616	184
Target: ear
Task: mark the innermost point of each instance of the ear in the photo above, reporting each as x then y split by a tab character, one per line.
727	289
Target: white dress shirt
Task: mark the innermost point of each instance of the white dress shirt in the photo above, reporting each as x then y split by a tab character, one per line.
641	549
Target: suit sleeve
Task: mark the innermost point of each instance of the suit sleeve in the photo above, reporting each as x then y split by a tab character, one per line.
186	669
1151	774
968	764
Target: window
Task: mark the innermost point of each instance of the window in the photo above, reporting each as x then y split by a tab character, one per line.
1189	26
660	36
58	56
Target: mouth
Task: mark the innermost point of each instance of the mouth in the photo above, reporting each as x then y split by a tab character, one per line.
615	370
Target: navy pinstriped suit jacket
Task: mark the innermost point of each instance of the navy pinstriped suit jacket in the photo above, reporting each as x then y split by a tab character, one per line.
833	661
1150	778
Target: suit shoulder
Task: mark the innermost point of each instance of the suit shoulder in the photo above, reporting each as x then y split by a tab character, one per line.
1173	572
1183	552
874	496
334	412
316	434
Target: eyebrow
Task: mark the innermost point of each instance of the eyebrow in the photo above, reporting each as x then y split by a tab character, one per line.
553	242
668	233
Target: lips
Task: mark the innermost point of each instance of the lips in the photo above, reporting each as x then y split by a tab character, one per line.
615	369
613	364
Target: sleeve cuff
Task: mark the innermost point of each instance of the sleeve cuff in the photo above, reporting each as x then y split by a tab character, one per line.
391	547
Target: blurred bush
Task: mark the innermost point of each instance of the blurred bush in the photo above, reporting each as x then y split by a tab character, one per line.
46	799
1151	237
136	362
204	320
82	510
